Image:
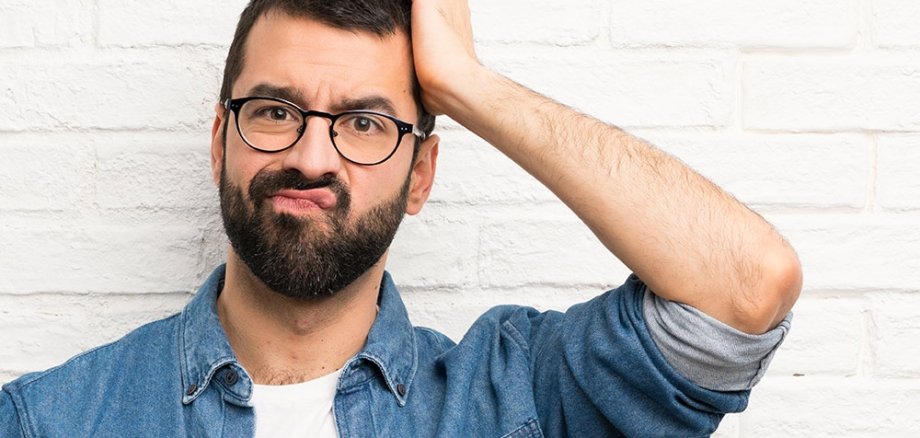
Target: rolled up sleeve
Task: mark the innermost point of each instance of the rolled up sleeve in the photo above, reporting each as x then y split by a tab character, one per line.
10	426
602	374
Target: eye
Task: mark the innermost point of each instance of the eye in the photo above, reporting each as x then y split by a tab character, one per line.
275	113
363	124
278	113
269	111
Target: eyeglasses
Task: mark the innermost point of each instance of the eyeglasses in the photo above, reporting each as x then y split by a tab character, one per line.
270	124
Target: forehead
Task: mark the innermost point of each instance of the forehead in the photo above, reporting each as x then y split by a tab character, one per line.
325	64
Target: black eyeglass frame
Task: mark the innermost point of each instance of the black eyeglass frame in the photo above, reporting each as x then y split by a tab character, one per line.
403	127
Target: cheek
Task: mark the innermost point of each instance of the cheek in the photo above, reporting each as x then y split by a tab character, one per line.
365	189
372	187
240	165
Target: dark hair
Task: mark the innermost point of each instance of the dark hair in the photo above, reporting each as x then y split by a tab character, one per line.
379	17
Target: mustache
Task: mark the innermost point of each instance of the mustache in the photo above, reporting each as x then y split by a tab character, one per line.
267	183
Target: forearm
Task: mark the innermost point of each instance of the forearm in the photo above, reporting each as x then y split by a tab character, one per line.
687	239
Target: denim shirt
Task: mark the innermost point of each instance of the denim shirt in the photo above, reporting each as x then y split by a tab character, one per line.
591	371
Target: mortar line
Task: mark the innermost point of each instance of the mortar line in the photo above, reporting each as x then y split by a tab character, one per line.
864	25
872	189
94	22
738	115
867	351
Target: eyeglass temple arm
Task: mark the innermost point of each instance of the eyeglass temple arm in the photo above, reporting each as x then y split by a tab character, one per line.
418	133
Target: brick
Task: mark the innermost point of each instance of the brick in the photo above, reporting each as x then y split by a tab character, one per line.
213	245
768	170
471	170
8	376
855	252
108	94
31	23
783	23
626	88
136	23
782	170
533	252
826	336
832	93
825	406
165	171
898	186
51	328
452	310
895	23
897	329
420	257
141	251
778	170
728	428
562	23
44	173
447	310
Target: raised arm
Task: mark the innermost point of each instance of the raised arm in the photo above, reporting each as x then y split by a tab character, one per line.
682	235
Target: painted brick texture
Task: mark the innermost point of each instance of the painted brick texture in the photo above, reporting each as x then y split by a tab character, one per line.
806	110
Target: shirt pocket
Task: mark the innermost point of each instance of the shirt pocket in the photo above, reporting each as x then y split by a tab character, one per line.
530	429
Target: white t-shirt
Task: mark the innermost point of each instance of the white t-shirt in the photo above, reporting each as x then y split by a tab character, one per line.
299	410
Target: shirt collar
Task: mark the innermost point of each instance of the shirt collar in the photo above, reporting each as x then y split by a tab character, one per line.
204	349
390	348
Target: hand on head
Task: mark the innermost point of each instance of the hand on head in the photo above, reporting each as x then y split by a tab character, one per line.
442	44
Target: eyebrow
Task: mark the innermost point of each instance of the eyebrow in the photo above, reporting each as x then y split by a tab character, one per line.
286	93
373	102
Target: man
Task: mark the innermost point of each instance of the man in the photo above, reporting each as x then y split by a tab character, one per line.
321	142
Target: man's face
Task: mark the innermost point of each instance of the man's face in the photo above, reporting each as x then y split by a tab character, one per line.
306	221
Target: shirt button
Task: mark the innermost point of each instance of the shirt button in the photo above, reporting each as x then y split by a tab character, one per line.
231	377
191	390
401	389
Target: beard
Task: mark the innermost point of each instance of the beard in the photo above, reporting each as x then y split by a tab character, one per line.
306	258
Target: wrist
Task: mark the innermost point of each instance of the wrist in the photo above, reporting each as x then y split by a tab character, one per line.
459	90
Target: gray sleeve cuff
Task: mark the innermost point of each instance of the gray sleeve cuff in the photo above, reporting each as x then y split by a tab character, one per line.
707	351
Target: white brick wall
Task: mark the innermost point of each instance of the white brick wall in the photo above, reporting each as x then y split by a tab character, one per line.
808	110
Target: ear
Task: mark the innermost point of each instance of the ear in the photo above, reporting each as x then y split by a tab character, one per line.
423	171
217	143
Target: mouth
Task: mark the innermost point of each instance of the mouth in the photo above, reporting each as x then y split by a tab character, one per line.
302	201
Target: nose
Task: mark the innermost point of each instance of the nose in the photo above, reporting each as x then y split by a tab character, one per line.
313	155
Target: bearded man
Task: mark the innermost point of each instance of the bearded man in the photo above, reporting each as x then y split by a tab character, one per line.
322	140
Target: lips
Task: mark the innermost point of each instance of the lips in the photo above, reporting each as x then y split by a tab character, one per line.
302	200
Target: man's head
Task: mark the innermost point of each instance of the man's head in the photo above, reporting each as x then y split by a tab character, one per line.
378	17
304	220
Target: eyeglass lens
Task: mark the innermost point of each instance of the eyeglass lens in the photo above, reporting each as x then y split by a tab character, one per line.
363	137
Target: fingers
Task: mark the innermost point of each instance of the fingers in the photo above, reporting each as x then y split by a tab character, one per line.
442	42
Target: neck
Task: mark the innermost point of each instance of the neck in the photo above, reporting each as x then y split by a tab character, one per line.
281	340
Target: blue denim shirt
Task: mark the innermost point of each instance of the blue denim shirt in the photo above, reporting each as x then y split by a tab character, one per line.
591	371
